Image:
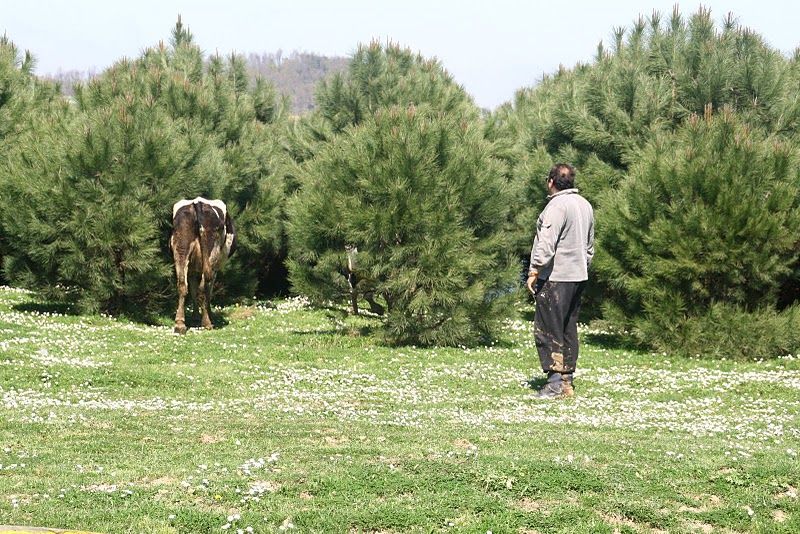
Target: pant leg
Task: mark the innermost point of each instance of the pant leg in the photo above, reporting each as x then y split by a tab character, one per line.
574	294
548	326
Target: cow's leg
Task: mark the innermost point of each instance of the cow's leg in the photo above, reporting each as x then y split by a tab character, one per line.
204	295
194	282
181	268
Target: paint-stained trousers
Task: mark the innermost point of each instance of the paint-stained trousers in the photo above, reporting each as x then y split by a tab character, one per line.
555	324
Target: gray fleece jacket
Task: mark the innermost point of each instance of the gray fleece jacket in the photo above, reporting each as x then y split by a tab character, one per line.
564	243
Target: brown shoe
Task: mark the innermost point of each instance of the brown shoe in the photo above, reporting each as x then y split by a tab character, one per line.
568	388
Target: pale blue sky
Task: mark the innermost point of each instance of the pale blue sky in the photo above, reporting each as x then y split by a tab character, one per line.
492	48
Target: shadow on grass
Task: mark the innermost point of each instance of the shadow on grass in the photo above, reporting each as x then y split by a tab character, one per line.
612	341
536	383
334	315
336	332
60	308
163	315
219	319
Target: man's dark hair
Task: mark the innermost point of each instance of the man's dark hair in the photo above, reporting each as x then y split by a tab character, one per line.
563	176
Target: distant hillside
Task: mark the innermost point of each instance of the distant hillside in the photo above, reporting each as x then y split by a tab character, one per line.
295	75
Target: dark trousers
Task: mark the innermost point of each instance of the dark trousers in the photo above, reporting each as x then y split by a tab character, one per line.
555	324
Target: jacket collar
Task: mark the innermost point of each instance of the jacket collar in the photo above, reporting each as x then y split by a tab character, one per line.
563	192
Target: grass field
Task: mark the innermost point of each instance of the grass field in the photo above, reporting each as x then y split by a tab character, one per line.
294	419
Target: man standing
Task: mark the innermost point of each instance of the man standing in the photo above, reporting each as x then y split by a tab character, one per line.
562	251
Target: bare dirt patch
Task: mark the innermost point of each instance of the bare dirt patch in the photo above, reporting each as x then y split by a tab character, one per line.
790	493
336	441
699	526
156	482
701	503
242	313
463	444
210	439
530	505
617	521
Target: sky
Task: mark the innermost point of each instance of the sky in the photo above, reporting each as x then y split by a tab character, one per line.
492	48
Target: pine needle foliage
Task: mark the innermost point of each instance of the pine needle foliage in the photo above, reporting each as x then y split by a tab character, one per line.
21	92
730	332
395	163
706	222
24	102
645	84
655	75
418	192
380	76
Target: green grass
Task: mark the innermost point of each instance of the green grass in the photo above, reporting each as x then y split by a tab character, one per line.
293	419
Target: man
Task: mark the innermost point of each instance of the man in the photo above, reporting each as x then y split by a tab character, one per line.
562	251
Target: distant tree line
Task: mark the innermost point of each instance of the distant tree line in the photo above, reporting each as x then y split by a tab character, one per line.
685	134
295	75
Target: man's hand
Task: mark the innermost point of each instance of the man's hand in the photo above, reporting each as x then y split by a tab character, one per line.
531	283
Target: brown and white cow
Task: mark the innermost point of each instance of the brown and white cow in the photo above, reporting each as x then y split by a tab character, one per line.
203	237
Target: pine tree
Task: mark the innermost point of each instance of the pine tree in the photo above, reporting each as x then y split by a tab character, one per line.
704	225
382	76
420	195
394	163
261	167
25	102
654	76
253	126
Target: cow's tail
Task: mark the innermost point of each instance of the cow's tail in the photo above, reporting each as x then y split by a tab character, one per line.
198	217
199	228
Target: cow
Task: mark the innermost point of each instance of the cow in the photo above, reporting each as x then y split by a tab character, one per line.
203	238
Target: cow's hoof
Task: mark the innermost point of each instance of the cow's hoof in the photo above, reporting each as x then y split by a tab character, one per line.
180	329
208	326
